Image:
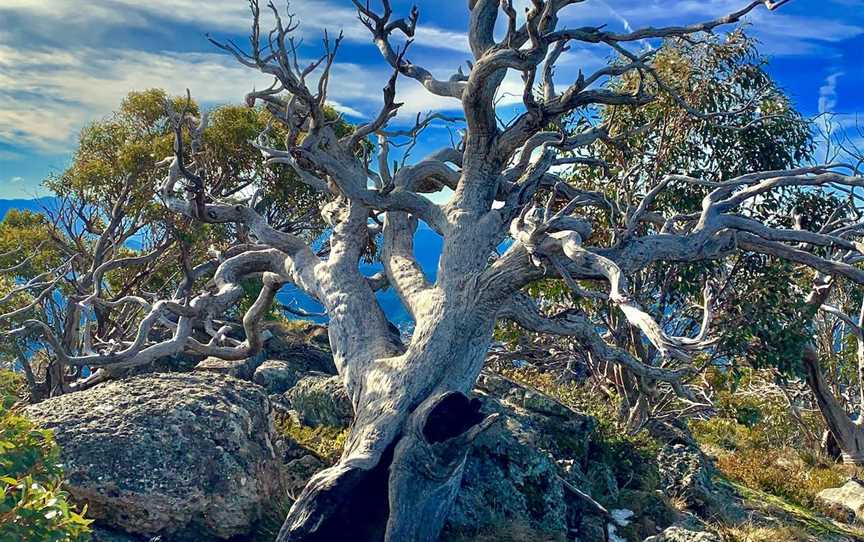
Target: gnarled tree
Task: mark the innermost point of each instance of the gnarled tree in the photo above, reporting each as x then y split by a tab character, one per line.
414	423
103	238
753	319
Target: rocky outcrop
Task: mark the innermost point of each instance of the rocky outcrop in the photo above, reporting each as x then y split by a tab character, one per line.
101	534
320	399
685	474
680	534
511	475
193	456
185	456
845	503
276	376
529	472
306	350
287	356
243	369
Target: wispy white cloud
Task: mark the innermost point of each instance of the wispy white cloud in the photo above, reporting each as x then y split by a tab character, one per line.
47	96
828	93
345	109
623	20
231	16
781	33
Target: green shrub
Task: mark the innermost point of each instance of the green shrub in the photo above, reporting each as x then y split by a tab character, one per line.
33	507
746	419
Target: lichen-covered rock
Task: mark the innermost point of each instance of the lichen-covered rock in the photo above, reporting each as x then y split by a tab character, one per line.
528	472
845	503
306	350
320	399
680	534
276	376
685	474
101	534
243	369
183	456
510	476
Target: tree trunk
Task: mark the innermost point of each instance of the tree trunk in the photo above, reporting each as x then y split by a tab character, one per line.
414	424
849	435
400	494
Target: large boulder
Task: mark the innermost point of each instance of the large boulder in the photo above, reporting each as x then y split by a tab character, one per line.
320	399
181	456
845	503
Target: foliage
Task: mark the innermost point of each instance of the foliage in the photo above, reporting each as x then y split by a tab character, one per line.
128	146
112	178
23	235
762	320
33	505
758	300
719	74
758	317
752	413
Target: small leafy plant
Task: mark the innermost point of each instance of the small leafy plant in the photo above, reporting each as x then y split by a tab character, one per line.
33	505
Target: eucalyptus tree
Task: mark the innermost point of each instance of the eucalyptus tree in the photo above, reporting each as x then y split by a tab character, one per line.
753	297
414	422
103	237
832	362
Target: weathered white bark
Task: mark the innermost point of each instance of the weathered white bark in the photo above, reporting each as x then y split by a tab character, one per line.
848	434
402	454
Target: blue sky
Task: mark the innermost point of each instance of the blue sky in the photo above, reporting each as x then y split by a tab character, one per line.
66	62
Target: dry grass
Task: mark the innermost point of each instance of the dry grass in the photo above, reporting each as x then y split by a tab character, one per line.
785	521
750	532
781	473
